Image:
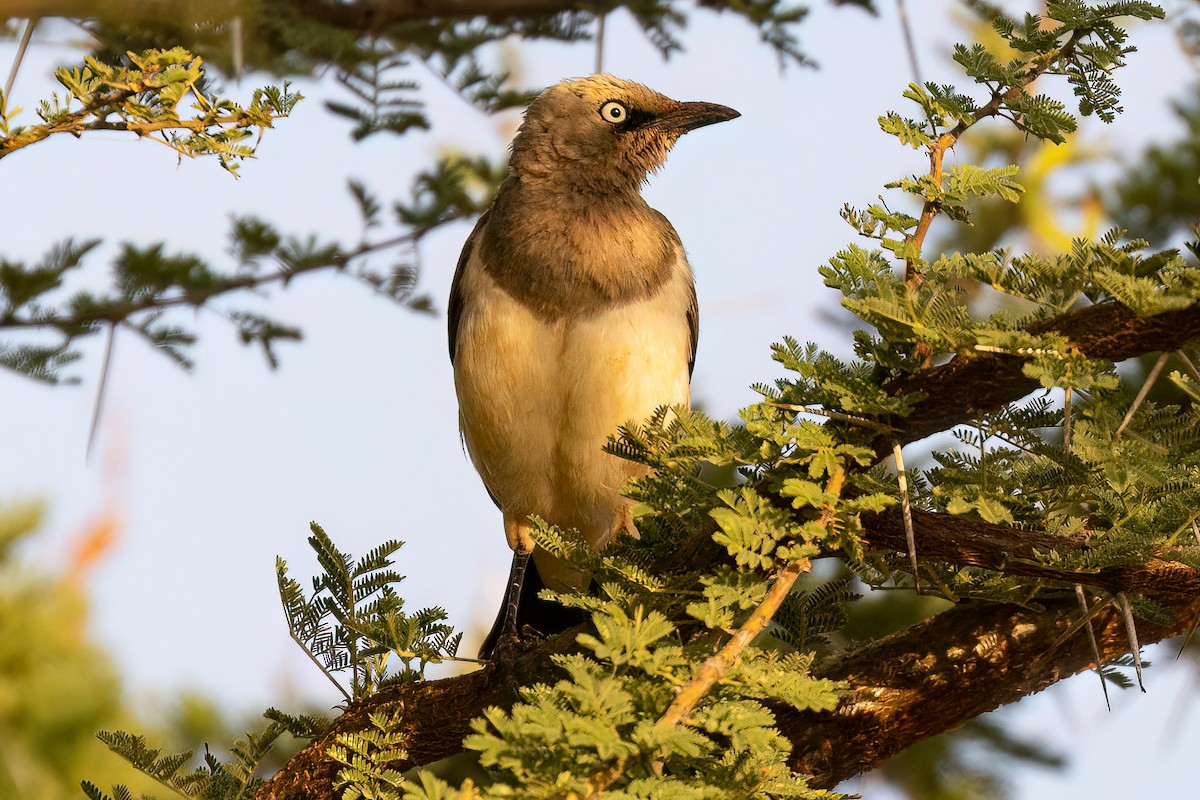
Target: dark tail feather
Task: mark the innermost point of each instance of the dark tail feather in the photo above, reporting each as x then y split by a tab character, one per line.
521	601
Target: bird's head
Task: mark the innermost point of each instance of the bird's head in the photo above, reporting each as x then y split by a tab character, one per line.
602	133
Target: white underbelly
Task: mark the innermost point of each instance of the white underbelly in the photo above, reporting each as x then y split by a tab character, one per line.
539	400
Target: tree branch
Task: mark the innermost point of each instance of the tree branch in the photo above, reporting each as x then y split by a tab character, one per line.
937	148
360	16
436	719
119	309
936	675
969	386
967	542
78	124
918	682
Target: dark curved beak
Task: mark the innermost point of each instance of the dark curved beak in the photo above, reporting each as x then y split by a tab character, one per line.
689	116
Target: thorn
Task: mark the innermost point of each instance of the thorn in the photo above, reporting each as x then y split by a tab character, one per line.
1131	630
1087	619
30	24
906	507
1187	639
1145	390
99	404
238	46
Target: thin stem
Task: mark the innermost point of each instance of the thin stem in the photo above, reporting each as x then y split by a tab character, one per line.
937	149
600	18
119	311
1087	615
838	415
911	49
1187	639
19	57
1067	422
1187	362
100	390
237	42
1135	649
1151	377
715	668
77	125
317	661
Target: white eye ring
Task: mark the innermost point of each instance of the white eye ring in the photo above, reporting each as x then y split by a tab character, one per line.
614	112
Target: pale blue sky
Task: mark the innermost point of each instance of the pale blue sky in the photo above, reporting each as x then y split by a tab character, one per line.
216	472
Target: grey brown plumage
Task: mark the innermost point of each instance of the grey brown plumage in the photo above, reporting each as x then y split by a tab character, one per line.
573	310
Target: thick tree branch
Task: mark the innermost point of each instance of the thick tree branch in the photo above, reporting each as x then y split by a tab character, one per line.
967	387
918	682
966	542
934	676
437	716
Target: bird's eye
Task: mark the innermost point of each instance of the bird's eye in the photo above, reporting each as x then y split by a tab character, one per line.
614	112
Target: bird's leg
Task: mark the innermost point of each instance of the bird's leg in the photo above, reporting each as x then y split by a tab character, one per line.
516	580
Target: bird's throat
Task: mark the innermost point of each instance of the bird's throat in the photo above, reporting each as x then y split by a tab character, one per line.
572	255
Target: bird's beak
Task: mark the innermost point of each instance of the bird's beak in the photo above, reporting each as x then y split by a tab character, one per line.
689	116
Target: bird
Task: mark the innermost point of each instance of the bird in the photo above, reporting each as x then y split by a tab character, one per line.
572	311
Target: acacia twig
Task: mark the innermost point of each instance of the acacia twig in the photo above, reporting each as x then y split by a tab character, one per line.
938	147
717	665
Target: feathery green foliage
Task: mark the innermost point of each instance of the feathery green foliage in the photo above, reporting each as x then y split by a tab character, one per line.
354	619
365	756
149	283
601	724
233	779
381	56
128	84
143	92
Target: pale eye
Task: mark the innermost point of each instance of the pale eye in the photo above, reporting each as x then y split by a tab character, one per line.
614	112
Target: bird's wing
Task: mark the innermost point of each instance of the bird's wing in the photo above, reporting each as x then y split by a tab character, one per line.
454	313
693	309
693	321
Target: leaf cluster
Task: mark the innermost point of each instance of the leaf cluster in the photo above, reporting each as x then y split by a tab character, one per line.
354	620
214	779
149	281
938	316
142	94
380	55
365	756
1073	39
602	716
601	724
